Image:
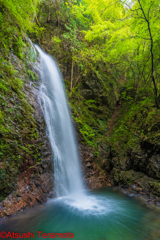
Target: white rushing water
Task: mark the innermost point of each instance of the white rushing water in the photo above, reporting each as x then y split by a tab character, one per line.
68	183
67	174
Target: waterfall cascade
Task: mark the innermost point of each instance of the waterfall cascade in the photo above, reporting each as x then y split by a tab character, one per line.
67	177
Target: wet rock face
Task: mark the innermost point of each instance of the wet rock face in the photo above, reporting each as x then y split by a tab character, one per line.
153	167
139	161
139	172
33	187
94	176
33	179
149	163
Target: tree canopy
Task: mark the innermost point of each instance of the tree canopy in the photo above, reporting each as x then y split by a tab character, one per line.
125	36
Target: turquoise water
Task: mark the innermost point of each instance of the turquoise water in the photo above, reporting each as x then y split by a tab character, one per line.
103	215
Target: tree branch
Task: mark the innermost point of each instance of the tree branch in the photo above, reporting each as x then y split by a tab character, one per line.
152	56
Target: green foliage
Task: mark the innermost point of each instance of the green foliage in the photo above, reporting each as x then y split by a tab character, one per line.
118	35
107	43
15	19
90	127
56	39
32	75
136	123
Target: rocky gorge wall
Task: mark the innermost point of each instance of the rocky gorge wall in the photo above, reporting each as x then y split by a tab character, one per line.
134	157
29	181
128	152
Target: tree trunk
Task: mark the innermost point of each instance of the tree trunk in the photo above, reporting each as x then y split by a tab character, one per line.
49	18
71	77
152	57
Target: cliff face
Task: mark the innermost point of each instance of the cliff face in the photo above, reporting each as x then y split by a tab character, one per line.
134	142
26	168
128	151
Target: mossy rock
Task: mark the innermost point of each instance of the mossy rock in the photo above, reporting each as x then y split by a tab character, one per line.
18	148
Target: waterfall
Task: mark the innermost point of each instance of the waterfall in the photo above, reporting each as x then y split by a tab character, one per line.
67	174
